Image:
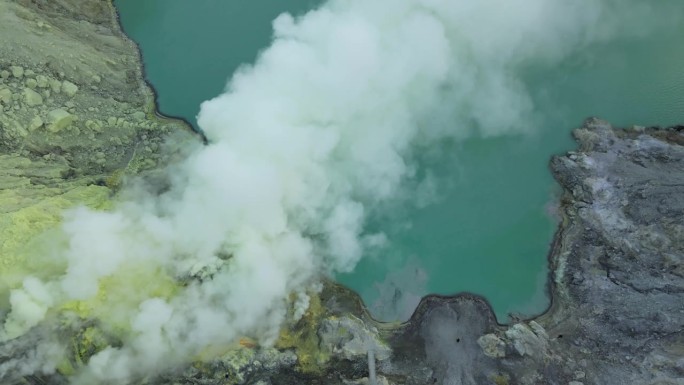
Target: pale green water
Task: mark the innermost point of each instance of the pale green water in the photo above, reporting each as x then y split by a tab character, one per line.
490	233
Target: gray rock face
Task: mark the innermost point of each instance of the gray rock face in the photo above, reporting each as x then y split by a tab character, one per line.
492	346
622	252
350	338
525	341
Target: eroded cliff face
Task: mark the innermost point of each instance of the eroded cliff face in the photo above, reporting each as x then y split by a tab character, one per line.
77	117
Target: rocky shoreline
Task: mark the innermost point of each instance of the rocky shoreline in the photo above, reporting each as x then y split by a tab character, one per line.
617	275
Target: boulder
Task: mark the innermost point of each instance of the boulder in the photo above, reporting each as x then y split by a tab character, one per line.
17	72
69	88
59	119
492	345
351	338
5	96
525	341
32	98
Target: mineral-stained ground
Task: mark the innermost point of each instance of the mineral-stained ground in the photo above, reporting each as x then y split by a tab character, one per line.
76	118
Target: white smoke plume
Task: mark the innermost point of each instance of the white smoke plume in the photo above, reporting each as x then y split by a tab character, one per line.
302	144
399	293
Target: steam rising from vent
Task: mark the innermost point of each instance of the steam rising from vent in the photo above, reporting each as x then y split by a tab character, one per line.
302	144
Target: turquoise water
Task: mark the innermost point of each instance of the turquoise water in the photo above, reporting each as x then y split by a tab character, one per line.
192	47
489	230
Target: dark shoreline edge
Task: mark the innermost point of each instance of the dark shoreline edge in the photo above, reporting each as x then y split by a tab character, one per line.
429	301
143	69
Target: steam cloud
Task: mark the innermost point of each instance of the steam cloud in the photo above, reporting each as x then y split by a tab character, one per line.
302	144
400	292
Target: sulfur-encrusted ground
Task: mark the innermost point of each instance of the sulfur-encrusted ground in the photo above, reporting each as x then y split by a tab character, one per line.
75	118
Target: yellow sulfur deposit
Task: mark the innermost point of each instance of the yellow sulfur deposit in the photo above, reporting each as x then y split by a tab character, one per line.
27	235
303	338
